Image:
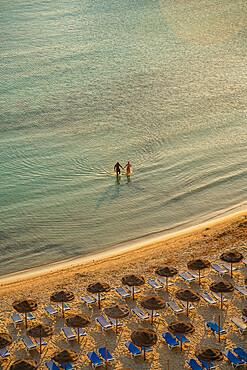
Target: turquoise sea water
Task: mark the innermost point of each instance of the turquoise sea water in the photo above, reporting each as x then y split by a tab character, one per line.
84	84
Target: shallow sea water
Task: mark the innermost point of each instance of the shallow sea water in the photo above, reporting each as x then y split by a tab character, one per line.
87	83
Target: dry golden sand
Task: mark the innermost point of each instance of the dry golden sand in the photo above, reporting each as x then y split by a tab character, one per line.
208	242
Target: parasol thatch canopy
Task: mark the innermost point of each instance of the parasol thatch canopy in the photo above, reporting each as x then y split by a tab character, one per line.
208	354
231	257
198	265
62	296
181	327
98	288
144	338
187	295
25	306
244	311
40	331
132	281
78	321
221	287
5	340
24	364
65	355
166	271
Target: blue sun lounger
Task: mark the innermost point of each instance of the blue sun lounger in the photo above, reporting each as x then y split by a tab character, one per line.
51	311
17	319
134	351
29	343
190	306
245	262
155	285
95	360
149	312
51	365
30	316
104	324
218	297
65	307
184	339
102	351
68	333
242	327
210	325
114	322
240	353
4	353
241	290
170	340
175	307
122	293
227	266
140	314
88	300
206	366
193	364
186	277
235	361
220	269
208	298
196	275
162	280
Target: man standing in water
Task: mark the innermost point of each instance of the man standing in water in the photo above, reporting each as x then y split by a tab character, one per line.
117	168
128	165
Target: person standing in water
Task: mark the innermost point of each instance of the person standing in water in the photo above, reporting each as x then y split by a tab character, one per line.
117	168
128	165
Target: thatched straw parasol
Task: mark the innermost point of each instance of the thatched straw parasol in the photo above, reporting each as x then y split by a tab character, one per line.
231	257
117	311
65	355
181	327
62	296
166	272
24	364
25	306
132	281
144	338
198	265
78	321
153	303
5	340
40	331
98	288
187	295
208	354
221	287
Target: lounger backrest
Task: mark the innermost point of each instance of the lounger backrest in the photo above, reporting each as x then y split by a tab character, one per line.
4	353
207	297
122	292
51	365
132	348
50	310
68	332
231	357
170	339
174	306
241	353
194	365
102	354
94	358
141	314
239	323
103	322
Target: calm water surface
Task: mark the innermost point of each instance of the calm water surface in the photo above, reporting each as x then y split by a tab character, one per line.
87	83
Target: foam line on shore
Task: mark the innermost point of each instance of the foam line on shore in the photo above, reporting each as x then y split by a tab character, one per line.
123	247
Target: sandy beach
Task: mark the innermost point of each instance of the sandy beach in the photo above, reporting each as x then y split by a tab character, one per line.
207	242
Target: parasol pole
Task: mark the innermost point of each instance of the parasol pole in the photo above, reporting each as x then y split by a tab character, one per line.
209	365
166	283
62	309
106	353
144	350
116	325
181	342
152	317
219	328
40	340
99	299
231	270
221	302
187	308
25	315
168	364
199	277
133	297
78	335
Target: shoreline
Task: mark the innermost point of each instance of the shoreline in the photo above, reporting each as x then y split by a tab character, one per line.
120	249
